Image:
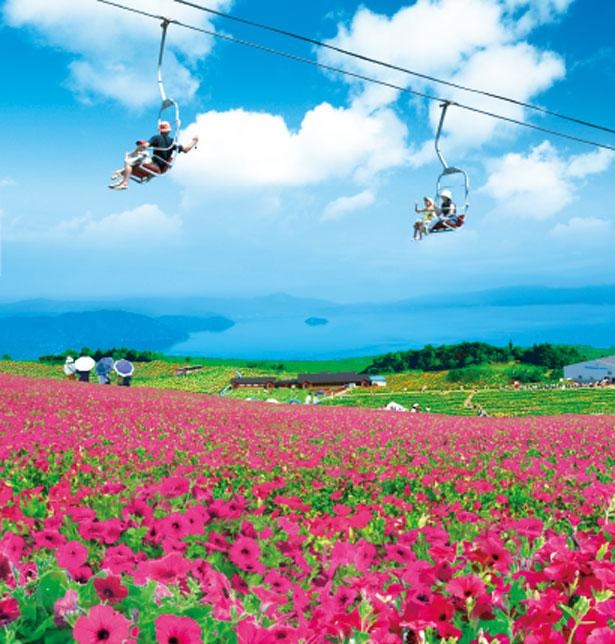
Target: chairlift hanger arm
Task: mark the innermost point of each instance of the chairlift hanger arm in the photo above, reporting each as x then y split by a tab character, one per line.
444	107
166	101
164	25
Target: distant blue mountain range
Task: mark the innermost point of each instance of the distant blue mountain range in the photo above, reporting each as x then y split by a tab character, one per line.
275	325
31	335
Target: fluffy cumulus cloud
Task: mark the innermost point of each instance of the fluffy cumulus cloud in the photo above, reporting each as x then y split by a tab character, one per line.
110	45
146	224
244	149
432	38
477	43
519	71
541	183
343	206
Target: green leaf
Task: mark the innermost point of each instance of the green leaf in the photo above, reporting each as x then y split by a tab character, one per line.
87	595
47	624
64	636
517	594
51	587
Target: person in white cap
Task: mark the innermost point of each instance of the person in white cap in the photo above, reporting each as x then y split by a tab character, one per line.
447	211
69	368
163	150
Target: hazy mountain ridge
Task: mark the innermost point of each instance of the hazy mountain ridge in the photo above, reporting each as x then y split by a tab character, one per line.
281	304
30	336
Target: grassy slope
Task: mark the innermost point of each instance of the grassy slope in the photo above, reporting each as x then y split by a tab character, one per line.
427	389
293	366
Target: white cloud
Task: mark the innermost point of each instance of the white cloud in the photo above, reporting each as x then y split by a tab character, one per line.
345	205
476	43
7	182
142	225
241	149
116	51
583	165
430	37
542	183
578	228
519	71
528	14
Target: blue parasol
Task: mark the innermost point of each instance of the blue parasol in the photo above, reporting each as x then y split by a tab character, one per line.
123	368
104	366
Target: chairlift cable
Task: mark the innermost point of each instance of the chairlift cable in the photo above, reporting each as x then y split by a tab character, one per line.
133	10
294	57
398	68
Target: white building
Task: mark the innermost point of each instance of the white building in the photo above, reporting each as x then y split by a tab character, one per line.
378	381
592	370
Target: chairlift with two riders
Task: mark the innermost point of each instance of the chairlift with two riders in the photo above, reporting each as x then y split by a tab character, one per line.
147	171
448	223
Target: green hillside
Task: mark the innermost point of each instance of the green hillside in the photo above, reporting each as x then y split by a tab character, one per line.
490	388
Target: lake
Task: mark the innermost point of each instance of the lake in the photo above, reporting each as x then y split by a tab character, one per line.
371	333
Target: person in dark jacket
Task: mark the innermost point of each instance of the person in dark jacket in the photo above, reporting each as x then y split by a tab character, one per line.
163	150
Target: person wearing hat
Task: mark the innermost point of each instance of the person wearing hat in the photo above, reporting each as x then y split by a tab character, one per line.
69	369
163	150
429	214
447	212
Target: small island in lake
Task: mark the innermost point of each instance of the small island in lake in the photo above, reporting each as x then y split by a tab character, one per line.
316	321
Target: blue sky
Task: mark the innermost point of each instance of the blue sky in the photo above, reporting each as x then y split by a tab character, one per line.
303	181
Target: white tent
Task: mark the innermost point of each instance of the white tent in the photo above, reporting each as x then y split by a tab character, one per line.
393	406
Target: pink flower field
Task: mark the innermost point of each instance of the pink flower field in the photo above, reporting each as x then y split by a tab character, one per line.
142	515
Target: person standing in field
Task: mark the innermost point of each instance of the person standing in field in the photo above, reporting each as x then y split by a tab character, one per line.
69	369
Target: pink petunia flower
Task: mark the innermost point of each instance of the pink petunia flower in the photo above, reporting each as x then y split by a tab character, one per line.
12	546
110	588
244	553
6	575
101	624
138	512
49	539
171	629
604	635
72	555
278	582
217	543
168	569
82	574
174	486
175	526
120	559
9	611
64	607
465	587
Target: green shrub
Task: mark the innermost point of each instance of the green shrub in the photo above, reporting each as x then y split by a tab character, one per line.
526	373
470	375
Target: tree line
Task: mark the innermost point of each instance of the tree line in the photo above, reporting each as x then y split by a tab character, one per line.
117	353
468	354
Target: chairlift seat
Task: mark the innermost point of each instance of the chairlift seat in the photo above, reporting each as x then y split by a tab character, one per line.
147	171
447	227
